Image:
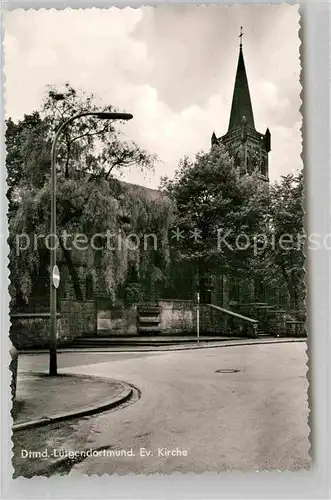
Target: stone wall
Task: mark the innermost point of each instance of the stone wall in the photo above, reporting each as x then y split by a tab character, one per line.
210	321
81	317
30	330
117	320
177	316
180	316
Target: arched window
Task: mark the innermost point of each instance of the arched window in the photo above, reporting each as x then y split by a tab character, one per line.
237	159
248	162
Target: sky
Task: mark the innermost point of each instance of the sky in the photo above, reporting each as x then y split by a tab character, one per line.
172	67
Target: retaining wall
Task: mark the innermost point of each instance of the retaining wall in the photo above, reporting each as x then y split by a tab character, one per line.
76	318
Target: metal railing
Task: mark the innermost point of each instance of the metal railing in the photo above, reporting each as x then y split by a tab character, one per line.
234	323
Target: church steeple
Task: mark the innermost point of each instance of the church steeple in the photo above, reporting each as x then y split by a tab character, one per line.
241	100
248	147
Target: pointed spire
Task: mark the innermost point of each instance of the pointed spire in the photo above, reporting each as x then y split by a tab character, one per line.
241	101
267	140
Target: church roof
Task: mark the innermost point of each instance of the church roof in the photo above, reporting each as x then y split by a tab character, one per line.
241	101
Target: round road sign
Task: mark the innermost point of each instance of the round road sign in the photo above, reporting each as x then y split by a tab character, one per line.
56	277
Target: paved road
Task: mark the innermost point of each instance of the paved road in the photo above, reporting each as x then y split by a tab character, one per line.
255	418
40	362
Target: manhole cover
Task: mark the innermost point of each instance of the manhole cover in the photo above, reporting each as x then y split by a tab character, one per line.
227	370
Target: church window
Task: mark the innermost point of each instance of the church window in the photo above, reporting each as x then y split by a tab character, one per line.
237	159
248	162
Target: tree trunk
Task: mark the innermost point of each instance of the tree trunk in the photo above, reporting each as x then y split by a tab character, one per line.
73	273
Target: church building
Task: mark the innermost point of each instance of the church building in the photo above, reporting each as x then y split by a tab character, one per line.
250	150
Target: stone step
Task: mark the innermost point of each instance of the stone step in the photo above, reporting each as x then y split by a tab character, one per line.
149	319
148	314
148	310
146	340
149	329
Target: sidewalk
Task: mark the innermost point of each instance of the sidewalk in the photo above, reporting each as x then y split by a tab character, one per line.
42	399
178	346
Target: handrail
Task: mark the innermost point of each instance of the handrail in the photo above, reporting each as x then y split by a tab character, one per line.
231	313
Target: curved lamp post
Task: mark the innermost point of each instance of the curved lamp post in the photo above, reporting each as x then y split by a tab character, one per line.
104	115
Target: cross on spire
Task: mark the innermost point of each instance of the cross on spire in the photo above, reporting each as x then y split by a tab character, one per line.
241	36
241	101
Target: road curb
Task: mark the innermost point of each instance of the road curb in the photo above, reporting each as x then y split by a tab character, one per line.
172	347
82	412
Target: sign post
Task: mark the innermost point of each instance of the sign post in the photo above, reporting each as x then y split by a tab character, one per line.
198	318
53	339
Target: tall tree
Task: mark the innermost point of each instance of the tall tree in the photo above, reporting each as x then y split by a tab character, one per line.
90	198
287	227
218	212
90	145
28	147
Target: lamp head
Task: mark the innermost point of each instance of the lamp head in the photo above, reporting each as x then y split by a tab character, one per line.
108	115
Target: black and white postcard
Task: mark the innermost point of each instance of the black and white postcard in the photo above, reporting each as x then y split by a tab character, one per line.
157	243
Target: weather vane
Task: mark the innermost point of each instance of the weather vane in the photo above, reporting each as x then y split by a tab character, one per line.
241	36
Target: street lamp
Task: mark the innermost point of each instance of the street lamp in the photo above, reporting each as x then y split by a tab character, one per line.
55	278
